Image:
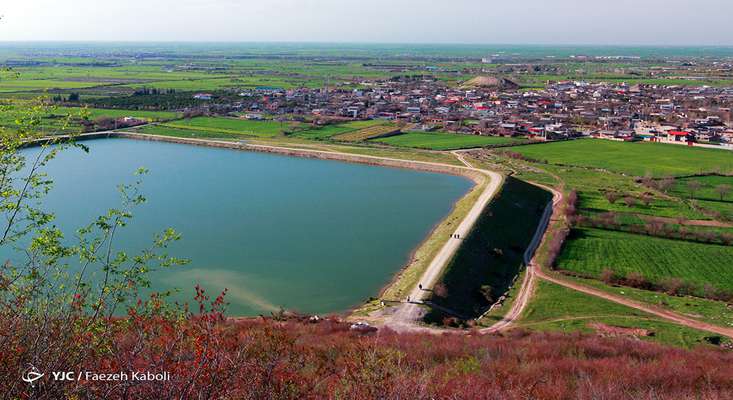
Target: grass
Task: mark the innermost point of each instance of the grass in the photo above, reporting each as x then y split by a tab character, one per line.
443	141
54	119
491	256
233	126
592	184
40	85
707	196
711	311
398	153
707	190
330	131
632	158
372	132
555	308
323	132
589	251
185	133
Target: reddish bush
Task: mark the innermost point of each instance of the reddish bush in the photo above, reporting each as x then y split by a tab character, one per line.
637	280
612	197
609	276
210	358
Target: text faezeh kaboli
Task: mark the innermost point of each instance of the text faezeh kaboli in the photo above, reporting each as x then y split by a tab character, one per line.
91	376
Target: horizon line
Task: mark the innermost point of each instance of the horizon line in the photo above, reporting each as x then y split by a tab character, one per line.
306	42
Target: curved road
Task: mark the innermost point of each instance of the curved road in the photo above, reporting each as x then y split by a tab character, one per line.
409	313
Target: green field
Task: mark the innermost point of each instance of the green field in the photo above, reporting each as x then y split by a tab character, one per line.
707	190
234	126
53	119
323	132
329	131
590	251
714	312
555	308
632	158
443	141
708	196
185	133
41	85
591	186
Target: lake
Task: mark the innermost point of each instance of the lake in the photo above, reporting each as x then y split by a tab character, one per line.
314	236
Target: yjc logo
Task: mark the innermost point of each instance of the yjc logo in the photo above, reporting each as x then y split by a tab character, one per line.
31	375
63	376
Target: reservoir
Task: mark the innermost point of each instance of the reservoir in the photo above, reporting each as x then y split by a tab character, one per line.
313	236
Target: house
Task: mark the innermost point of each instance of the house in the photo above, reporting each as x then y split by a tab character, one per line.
679	136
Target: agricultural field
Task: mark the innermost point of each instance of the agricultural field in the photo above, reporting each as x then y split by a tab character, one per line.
443	141
323	133
590	251
555	308
235	126
330	131
713	193
371	132
69	119
42	85
706	188
636	159
592	186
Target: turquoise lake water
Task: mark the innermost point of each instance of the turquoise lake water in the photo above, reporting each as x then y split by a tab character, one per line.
309	235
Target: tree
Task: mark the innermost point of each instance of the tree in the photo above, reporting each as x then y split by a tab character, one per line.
636	279
723	190
609	276
648	180
52	314
693	186
612	197
665	184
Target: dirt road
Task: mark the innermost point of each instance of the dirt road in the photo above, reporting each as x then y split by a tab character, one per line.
409	313
530	277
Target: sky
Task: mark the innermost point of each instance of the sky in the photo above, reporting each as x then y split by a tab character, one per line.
604	22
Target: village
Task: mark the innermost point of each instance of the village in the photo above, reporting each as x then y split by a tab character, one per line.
489	105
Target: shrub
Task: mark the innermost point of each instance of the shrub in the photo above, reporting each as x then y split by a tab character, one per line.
612	197
609	276
637	280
